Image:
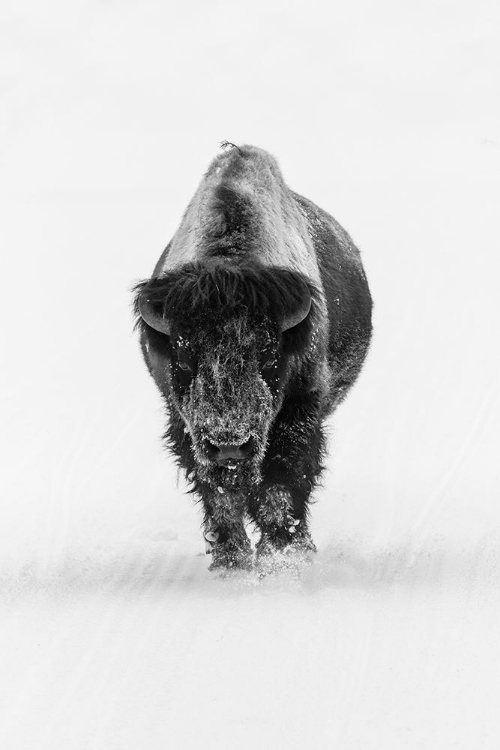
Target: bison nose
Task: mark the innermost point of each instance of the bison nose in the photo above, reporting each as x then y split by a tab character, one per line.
227	453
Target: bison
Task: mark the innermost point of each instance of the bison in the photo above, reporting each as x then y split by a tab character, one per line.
254	325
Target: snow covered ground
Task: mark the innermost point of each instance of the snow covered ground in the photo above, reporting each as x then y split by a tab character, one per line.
114	634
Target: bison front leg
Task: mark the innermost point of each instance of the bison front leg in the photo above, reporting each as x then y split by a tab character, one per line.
282	525
282	528
224	531
291	469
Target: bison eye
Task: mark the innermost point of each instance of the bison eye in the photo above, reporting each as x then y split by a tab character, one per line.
184	366
270	363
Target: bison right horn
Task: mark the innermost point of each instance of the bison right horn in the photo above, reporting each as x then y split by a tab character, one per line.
151	317
300	313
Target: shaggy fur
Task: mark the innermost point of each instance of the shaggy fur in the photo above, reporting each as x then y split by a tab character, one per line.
246	400
198	291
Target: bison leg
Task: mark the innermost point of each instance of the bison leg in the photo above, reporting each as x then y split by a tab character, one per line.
224	532
282	528
290	471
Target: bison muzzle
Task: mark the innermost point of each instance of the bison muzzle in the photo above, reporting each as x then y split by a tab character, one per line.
254	325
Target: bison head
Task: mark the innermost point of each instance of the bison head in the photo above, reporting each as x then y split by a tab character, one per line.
221	340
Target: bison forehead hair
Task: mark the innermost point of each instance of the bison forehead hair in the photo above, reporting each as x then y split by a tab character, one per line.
203	294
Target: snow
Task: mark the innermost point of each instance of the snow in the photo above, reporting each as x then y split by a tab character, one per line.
114	633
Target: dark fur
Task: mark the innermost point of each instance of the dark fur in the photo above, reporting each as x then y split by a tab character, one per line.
225	311
199	291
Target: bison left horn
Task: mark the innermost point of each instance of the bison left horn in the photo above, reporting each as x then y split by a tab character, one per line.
300	313
152	318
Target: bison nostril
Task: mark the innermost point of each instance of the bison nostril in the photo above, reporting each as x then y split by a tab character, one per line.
224	452
247	447
210	449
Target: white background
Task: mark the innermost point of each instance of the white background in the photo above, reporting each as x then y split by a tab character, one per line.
114	635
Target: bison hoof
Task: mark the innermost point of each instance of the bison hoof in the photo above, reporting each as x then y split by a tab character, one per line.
290	560
227	556
278	551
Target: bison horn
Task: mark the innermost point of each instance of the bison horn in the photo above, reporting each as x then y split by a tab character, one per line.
149	316
300	313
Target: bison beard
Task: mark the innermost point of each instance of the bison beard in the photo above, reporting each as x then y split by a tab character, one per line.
252	345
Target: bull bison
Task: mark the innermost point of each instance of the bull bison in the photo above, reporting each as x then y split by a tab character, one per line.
254	325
